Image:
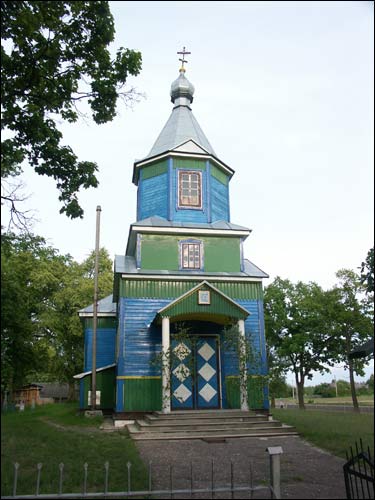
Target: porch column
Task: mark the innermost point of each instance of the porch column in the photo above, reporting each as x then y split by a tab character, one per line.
243	368
166	375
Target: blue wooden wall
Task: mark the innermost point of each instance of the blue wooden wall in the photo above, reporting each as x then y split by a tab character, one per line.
153	197
158	196
140	342
105	347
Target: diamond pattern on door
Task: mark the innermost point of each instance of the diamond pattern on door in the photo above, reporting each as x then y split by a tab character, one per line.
182	372
207	392
181	377
206	351
207	373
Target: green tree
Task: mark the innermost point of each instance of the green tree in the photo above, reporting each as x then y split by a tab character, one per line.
325	390
298	328
61	322
370	383
54	56
353	324
367	272
31	272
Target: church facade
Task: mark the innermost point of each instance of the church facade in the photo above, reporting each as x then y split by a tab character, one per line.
182	288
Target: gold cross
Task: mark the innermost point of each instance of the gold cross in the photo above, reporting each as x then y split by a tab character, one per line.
183	60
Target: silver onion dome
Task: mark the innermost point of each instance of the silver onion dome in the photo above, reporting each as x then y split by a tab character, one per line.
182	90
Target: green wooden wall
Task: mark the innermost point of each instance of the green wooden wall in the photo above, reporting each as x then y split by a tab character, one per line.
171	289
255	394
109	322
162	252
142	394
106	384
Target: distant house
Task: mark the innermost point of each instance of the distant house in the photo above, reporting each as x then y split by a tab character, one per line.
42	393
27	394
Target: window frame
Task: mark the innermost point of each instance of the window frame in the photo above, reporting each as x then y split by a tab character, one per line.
190	243
182	205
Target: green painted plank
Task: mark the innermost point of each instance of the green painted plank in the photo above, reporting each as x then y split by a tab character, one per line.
153	170
189	163
106	384
219	175
219	306
142	394
255	387
171	289
102	322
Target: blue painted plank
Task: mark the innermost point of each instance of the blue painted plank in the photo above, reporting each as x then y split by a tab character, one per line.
105	347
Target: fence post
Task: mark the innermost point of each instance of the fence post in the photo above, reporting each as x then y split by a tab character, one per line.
274	454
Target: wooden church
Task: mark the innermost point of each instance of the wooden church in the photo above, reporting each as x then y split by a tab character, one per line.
183	271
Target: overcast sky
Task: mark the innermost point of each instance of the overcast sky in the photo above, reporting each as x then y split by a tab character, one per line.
284	93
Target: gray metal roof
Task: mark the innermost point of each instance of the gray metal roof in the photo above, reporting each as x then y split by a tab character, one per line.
105	305
156	221
127	265
180	128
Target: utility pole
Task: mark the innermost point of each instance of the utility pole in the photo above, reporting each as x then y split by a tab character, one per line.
336	386
95	312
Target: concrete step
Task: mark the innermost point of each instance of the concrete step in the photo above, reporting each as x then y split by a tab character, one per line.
152	419
197	426
218	433
200	413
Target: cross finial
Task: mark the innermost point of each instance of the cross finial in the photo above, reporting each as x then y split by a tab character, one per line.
183	60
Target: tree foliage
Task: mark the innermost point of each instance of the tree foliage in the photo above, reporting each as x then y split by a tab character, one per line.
367	272
54	55
41	293
353	323
298	328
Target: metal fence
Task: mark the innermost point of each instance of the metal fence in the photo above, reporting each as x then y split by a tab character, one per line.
359	473
195	489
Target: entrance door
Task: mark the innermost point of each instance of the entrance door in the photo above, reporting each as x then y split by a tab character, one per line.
195	373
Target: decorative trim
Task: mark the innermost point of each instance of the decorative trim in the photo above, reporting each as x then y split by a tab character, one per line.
170	188
201	254
100	315
131	377
192	290
190	277
190	230
208	191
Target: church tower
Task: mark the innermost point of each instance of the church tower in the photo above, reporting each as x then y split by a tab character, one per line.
183	271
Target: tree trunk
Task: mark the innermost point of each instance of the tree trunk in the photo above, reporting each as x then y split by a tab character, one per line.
72	392
352	387
300	390
273	404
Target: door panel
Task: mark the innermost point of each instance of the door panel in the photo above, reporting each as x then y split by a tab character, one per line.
207	387
182	396
194	374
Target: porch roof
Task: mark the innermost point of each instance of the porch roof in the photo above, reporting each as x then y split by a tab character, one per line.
219	304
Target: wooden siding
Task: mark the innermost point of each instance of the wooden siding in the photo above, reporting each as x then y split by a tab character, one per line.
154	170
105	383
172	289
219	175
189	163
219	306
219	201
188	214
256	392
140	342
161	252
105	347
142	394
153	197
102	322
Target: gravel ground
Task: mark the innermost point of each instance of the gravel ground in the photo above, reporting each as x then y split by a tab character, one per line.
306	471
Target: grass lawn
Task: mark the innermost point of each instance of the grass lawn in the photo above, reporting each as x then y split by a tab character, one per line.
52	434
341	400
332	431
